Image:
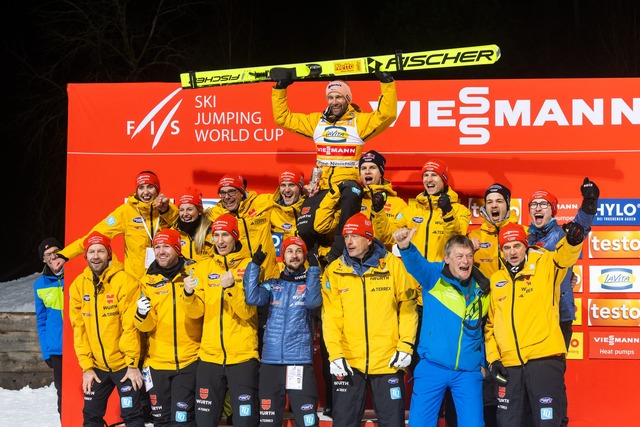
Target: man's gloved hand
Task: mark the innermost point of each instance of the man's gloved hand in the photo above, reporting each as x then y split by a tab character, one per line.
590	194
384	77
400	360
378	201
312	259
499	372
575	233
340	368
350	185
49	363
259	256
444	203
283	84
282	76
144	306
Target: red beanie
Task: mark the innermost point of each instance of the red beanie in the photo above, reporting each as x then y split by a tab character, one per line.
293	240
191	196
542	194
340	87
170	237
512	232
235	181
96	238
292	175
360	225
148	177
439	167
226	222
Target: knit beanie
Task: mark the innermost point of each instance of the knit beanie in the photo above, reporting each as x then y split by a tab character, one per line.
439	167
235	181
512	232
191	196
49	242
542	194
340	87
293	240
170	237
292	174
148	177
360	225
500	189
226	222
96	238
373	156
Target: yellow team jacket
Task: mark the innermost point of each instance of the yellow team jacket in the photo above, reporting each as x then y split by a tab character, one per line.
189	246
433	229
254	224
173	337
129	219
101	315
366	319
486	258
230	326
368	125
524	319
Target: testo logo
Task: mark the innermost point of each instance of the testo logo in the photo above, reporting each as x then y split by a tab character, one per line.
614	312
614	244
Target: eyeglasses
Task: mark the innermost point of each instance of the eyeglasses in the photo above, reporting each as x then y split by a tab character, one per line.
48	256
230	193
541	205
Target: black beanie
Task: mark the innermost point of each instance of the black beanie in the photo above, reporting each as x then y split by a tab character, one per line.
373	157
501	189
47	243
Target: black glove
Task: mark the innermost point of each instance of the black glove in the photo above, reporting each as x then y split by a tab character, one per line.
444	203
282	84
590	194
378	201
282	76
499	372
259	256
312	259
350	185
384	77
49	363
575	233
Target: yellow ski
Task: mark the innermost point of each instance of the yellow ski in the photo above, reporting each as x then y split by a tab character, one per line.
456	57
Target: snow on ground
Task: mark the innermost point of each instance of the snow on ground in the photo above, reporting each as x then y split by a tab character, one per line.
27	407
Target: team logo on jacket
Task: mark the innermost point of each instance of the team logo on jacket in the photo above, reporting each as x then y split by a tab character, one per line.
286	226
213	276
182	405
86	297
244	397
251	213
109	298
138	220
485	245
301	288
305	210
393	380
546	400
501	283
153	399
265	404
502	392
306	407
110	221
126	389
240	273
204	393
417	219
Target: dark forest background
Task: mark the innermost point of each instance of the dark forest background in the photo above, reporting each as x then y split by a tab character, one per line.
48	44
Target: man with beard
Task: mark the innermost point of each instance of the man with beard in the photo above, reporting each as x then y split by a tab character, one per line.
286	368
174	339
107	344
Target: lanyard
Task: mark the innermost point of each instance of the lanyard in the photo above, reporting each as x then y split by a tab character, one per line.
144	224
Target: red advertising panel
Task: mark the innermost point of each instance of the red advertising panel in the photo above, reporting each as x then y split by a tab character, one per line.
525	134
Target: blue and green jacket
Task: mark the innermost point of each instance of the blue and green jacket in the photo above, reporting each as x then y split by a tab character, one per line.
451	333
49	301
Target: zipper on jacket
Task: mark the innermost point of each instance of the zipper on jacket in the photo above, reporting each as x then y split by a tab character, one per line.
175	325
366	327
95	303
426	235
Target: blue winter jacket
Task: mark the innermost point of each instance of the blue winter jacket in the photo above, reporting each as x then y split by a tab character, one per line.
450	314
548	237
288	335
49	301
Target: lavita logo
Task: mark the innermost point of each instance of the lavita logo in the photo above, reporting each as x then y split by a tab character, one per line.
618	212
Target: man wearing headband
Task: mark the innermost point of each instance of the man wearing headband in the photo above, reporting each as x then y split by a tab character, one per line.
339	134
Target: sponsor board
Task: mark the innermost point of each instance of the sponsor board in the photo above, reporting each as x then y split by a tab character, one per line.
614	312
577	271
618	212
614	345
576	346
614	244
475	203
614	278
578	304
